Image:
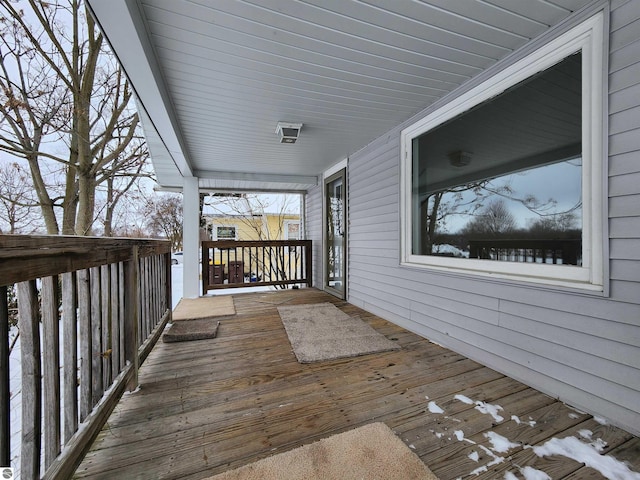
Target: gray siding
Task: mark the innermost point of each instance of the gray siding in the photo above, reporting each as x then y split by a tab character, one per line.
582	348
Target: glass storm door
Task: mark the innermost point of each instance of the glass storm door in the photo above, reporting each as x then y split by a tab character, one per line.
336	234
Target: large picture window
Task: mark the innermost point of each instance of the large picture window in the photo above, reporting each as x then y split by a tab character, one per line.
505	180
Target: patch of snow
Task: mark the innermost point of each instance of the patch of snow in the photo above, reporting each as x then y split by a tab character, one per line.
482	407
598	443
572	447
510	476
496	460
475	456
439	434
516	419
500	444
459	435
464	399
585	433
450	250
411	445
490	409
600	420
530	473
434	408
574	416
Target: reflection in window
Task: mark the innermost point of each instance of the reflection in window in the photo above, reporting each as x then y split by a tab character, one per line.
502	181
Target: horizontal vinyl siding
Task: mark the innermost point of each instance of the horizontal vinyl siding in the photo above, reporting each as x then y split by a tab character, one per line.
580	347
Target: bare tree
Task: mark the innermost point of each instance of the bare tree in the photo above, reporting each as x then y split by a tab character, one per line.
439	207
16	200
60	86
164	218
558	224
493	220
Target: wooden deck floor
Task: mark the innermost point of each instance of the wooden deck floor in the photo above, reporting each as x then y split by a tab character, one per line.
212	405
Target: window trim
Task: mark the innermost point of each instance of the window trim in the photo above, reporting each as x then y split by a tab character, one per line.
588	38
216	226
286	228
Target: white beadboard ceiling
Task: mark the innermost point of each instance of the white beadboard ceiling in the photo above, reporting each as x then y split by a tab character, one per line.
214	77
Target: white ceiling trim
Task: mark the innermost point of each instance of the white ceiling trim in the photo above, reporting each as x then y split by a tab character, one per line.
129	35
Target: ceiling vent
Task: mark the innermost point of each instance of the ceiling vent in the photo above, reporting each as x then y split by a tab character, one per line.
288	132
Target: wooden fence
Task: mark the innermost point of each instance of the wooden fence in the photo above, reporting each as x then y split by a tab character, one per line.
235	264
89	311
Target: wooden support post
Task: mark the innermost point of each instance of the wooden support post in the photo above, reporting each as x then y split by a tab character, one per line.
51	369
131	302
5	394
31	379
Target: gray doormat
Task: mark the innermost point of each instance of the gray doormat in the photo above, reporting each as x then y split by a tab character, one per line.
188	330
322	331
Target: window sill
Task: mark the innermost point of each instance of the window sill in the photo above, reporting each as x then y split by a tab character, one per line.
539	275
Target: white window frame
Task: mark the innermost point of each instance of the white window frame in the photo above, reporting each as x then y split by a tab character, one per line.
586	37
286	228
218	225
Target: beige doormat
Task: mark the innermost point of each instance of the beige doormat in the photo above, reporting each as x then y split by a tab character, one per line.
186	331
322	331
371	452
204	307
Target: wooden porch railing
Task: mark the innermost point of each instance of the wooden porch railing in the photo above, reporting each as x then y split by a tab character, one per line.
102	303
236	264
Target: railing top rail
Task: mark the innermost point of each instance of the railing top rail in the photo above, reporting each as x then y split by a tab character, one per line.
26	257
253	243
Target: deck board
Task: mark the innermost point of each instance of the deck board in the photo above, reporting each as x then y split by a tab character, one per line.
207	406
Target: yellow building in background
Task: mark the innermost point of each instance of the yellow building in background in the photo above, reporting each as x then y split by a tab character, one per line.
253	263
267	226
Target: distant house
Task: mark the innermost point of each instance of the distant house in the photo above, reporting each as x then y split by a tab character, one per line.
267	226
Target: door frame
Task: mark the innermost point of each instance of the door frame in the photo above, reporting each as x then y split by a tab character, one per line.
340	170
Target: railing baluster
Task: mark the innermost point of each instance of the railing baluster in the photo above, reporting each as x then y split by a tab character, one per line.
51	369
131	332
115	322
122	311
84	316
70	355
5	394
31	379
97	387
105	287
